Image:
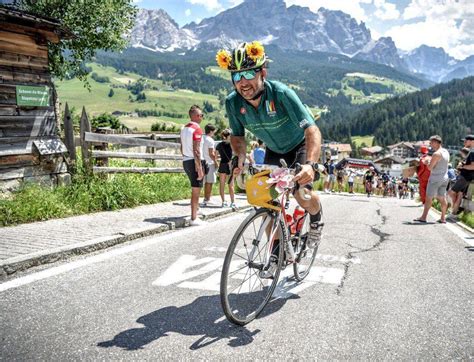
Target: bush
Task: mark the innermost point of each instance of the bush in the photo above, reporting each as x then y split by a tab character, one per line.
100	79
91	194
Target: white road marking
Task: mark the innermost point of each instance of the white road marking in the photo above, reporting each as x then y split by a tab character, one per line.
179	273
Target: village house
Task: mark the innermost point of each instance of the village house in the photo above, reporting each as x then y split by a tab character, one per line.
338	151
372	152
391	164
403	150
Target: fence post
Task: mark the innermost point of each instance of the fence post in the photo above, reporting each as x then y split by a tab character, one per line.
85	127
69	136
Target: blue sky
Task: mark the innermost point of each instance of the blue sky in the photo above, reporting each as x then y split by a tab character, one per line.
440	23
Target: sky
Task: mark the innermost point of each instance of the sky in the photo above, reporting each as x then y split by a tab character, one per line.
439	23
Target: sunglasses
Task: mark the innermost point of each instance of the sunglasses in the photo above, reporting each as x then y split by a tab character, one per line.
247	74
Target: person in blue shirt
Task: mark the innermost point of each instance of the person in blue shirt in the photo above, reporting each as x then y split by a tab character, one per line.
258	154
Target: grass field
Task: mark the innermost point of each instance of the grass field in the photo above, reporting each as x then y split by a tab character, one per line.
358	140
97	100
358	97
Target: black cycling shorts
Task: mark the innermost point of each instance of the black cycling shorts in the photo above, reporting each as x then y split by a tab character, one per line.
296	155
190	169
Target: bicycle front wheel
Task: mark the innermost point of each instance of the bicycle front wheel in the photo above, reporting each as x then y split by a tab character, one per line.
250	275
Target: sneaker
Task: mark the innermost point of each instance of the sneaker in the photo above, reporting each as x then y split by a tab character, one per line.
233	206
314	234
204	203
197	222
272	267
225	204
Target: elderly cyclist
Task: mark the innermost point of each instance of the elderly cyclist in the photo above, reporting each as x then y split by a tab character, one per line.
273	113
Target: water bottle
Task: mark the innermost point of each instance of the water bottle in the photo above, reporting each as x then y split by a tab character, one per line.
297	215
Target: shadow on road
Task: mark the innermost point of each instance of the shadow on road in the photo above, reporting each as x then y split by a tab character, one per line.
203	317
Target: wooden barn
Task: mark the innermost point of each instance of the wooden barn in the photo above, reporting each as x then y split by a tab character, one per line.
30	147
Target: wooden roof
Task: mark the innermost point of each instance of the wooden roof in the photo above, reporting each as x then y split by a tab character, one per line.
50	28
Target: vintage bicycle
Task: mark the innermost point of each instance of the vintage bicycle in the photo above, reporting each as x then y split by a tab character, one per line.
269	240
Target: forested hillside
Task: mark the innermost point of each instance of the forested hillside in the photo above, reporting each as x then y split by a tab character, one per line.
445	109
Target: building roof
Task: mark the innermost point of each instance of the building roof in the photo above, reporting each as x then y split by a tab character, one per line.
395	159
340	147
402	144
10	14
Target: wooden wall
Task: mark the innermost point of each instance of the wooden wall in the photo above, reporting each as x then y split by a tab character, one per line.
24	61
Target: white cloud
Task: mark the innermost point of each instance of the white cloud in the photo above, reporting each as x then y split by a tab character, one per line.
351	7
210	5
385	10
441	23
235	2
187	12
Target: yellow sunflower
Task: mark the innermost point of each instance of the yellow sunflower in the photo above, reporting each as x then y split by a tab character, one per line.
223	58
255	50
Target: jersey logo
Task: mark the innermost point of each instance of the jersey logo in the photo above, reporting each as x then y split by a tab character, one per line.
243	110
303	123
270	106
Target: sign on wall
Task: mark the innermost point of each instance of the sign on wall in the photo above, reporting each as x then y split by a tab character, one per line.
32	96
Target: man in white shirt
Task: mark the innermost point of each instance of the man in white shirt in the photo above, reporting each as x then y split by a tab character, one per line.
210	158
193	164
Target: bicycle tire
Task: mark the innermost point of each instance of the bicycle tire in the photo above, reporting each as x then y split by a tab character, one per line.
242	308
306	256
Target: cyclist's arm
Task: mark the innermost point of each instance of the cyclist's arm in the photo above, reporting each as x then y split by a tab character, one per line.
312	137
313	148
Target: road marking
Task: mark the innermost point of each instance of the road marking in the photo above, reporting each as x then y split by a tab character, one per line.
184	269
323	257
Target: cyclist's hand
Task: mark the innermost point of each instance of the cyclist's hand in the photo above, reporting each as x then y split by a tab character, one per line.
305	176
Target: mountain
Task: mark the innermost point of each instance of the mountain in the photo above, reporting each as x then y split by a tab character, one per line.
270	21
155	29
292	28
445	109
382	51
434	62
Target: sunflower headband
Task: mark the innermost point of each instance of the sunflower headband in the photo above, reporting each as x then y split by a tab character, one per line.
246	56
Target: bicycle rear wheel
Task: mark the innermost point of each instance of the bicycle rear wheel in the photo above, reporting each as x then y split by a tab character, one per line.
244	289
304	256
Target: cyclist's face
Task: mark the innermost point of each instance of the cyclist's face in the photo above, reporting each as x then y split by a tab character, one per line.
249	88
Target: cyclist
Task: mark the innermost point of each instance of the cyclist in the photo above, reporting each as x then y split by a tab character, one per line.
273	113
368	179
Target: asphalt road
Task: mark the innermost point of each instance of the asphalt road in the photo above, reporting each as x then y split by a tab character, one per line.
382	288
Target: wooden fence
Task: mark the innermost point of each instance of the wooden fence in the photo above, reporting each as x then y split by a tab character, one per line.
95	146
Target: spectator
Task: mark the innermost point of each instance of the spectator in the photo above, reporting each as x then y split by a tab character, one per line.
423	172
210	158
258	154
329	184
340	179
225	154
438	180
466	175
193	164
350	181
